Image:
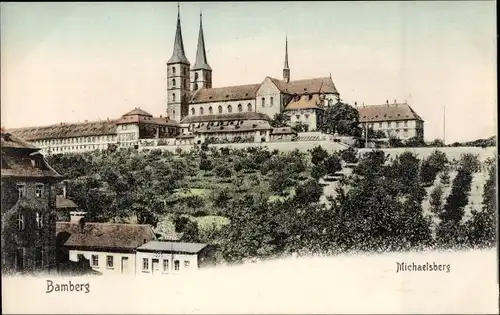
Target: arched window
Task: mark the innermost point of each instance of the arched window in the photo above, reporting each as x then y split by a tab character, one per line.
195	86
173	82
196	75
240	108
173	97
201	111
330	102
263	102
192	111
249	107
210	110
272	101
173	70
220	109
229	109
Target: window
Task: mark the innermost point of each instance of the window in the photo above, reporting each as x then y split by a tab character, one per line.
173	97
20	222
263	102
249	107
220	109
173	70
272	101
20	259
145	264
406	123
196	75
210	110
192	111
38	256
186	263
380	125
173	82
165	265
39	190
176	265
201	111
397	124
195	86
21	189
109	262
330	102
39	220
94	260
240	108
229	109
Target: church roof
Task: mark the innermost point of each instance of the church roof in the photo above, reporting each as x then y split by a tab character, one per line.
305	101
229	93
201	61
224	117
178	54
387	112
315	85
66	130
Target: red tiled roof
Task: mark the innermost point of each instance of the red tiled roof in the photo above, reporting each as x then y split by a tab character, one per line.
17	164
229	93
315	85
138	111
142	119
387	112
10	141
306	101
64	203
106	235
224	117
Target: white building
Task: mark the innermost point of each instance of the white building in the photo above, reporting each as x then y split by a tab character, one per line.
157	258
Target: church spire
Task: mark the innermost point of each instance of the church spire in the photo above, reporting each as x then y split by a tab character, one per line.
286	68
201	54
178	55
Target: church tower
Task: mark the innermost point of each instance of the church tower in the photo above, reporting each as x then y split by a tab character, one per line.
201	72
286	68
178	77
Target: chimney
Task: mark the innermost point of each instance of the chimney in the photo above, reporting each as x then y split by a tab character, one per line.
77	217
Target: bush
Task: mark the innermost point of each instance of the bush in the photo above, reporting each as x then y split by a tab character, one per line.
332	164
223	171
318	155
349	155
309	192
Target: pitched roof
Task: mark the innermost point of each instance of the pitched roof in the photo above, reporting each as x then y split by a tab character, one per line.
10	141
225	126
387	112
26	165
172	247
229	93
305	101
106	235
224	117
64	203
143	119
314	85
138	111
66	130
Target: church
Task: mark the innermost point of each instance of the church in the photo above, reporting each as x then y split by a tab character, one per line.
238	111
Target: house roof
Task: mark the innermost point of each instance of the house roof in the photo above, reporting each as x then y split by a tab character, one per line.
172	247
144	119
138	111
111	236
223	117
31	165
10	141
283	131
229	93
314	85
305	101
66	130
64	203
387	112
227	127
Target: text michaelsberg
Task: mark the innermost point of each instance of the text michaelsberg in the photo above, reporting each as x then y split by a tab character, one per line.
67	287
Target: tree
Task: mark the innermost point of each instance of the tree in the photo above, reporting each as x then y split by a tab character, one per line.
437	143
279	183
395	142
332	164
222	171
349	155
318	155
309	192
445	177
279	120
342	119
415	142
318	171
436	200
469	163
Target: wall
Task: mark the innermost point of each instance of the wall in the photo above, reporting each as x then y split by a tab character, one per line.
193	259
390	128
267	91
451	152
75	144
224	104
102	268
304	116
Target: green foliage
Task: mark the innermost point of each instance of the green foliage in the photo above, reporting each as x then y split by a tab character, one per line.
222	171
437	143
469	163
395	142
349	155
431	166
436	200
309	192
332	164
279	120
318	155
341	118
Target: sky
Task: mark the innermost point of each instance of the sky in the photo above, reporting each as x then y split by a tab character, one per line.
71	62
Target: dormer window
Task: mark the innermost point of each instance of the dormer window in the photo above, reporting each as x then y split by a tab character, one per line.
21	190
220	109
39	190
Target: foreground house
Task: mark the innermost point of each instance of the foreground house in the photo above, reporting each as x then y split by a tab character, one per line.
28	208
